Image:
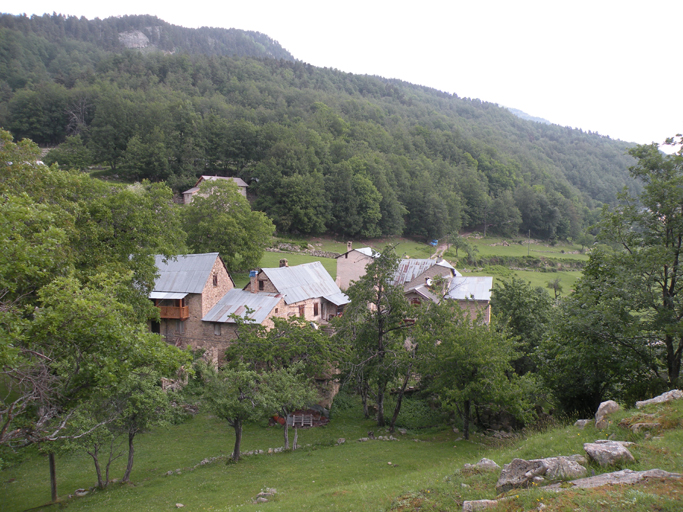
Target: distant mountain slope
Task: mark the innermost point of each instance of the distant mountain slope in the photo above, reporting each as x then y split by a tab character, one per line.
323	150
528	117
149	33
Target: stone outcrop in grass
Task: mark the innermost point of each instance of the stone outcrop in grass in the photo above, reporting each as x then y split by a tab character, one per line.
625	476
522	473
674	394
605	409
609	453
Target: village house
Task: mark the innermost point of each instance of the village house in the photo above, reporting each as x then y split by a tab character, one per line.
189	194
308	290
472	293
351	265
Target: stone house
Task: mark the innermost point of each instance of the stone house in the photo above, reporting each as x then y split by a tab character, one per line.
472	293
351	265
189	194
413	272
308	290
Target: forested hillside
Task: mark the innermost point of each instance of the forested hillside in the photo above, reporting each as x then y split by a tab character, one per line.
322	150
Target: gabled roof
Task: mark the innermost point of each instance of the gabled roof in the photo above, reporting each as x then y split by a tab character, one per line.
186	273
470	288
409	269
307	281
237	301
238	181
367	251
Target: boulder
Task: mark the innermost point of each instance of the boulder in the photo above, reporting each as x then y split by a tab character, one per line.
472	506
608	453
562	468
625	476
637	427
341	440
605	408
519	473
485	464
582	423
674	394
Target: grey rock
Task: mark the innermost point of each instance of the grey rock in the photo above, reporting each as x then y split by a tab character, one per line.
519	473
562	468
261	499
402	431
637	427
81	492
582	423
625	476
169	473
608	453
363	439
179	505
605	409
473	506
485	464
341	440
674	394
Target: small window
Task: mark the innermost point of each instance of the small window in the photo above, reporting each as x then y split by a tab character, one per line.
217	329
315	309
276	310
179	326
215	279
302	310
261	285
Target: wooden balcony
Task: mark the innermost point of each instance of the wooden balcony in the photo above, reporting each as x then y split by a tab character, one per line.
174	312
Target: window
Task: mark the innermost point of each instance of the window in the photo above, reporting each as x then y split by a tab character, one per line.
302	310
217	329
215	279
261	285
276	310
179	326
315	309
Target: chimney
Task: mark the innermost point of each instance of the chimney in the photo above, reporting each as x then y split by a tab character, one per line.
253	280
349	246
284	262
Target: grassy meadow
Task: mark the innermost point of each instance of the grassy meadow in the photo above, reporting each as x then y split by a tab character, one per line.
423	471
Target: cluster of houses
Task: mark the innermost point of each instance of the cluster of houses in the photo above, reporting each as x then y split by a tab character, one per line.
198	301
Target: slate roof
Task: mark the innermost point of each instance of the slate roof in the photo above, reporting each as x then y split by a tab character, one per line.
237	301
409	269
472	288
186	273
306	281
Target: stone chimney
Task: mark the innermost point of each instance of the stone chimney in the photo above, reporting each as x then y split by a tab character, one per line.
284	262
349	246
253	280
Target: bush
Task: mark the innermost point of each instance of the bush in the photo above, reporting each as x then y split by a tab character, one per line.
343	401
417	413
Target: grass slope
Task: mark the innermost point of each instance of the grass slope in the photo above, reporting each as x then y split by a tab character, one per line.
423	475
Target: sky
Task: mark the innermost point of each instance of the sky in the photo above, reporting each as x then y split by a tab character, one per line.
604	66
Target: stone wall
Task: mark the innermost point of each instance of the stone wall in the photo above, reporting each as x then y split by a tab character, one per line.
212	294
351	267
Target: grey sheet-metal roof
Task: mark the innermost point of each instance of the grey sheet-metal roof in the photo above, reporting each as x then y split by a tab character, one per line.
368	251
306	281
236	302
472	288
167	295
409	269
186	273
238	181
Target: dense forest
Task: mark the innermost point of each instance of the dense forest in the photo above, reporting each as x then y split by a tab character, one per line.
323	151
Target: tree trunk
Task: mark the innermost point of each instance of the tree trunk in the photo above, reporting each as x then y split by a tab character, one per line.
98	470
286	434
399	400
53	477
380	406
466	419
238	440
296	438
131	452
364	388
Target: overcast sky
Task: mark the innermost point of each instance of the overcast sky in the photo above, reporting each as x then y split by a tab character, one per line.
611	67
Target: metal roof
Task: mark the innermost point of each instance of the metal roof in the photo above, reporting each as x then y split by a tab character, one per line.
167	295
186	273
238	181
472	288
409	269
368	251
306	281
236	302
